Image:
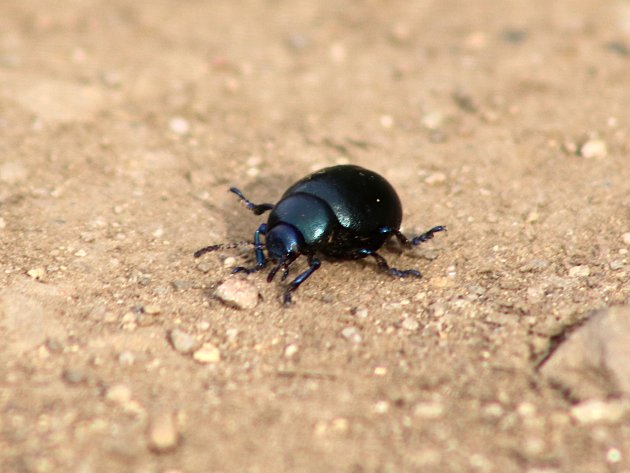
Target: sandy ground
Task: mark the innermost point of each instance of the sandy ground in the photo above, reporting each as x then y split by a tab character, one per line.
123	124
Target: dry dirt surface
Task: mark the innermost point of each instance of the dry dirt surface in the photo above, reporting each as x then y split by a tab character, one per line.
123	124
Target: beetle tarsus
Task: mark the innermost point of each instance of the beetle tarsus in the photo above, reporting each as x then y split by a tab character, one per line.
258	209
427	235
386	268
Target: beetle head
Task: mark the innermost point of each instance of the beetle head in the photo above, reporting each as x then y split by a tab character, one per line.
284	243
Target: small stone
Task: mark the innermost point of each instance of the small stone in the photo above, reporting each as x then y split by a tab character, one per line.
151	309
410	324
36	273
352	334
291	350
596	411
581	271
387	121
181	284
429	410
204	267
360	312
380	371
126	358
435	178
238	293
626	238
593	361
594	149
118	394
381	407
183	342
80	253
208	353
616	265
534	265
73	376
163	433
179	125
532	217
3	223
87	237
433	120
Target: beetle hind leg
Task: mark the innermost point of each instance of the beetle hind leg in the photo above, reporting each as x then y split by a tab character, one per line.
386	268
399	273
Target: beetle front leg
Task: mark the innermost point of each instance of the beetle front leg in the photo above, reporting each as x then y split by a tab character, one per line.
261	261
314	265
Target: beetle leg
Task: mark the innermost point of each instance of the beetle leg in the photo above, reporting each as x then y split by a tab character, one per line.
261	262
258	209
427	235
314	265
383	266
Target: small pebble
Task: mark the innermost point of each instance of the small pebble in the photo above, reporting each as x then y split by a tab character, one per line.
118	394
181	284
80	253
179	125
594	149
360	312
616	265
204	267
208	353
410	324
36	273
183	342
626	238
163	433
381	407
433	120
595	411
429	410
152	309
291	350
352	334
126	358
435	178
581	271
238	293
73	376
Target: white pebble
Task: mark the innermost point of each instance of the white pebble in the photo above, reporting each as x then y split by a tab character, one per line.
594	149
581	271
208	353
179	125
238	293
410	324
352	334
594	411
626	238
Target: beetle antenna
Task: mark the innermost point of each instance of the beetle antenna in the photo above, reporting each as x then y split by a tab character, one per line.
227	246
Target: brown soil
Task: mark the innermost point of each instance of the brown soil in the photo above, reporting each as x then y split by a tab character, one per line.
122	125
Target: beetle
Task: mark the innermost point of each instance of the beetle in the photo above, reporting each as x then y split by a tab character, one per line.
342	212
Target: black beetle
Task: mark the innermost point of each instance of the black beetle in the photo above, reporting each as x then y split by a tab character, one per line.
342	212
